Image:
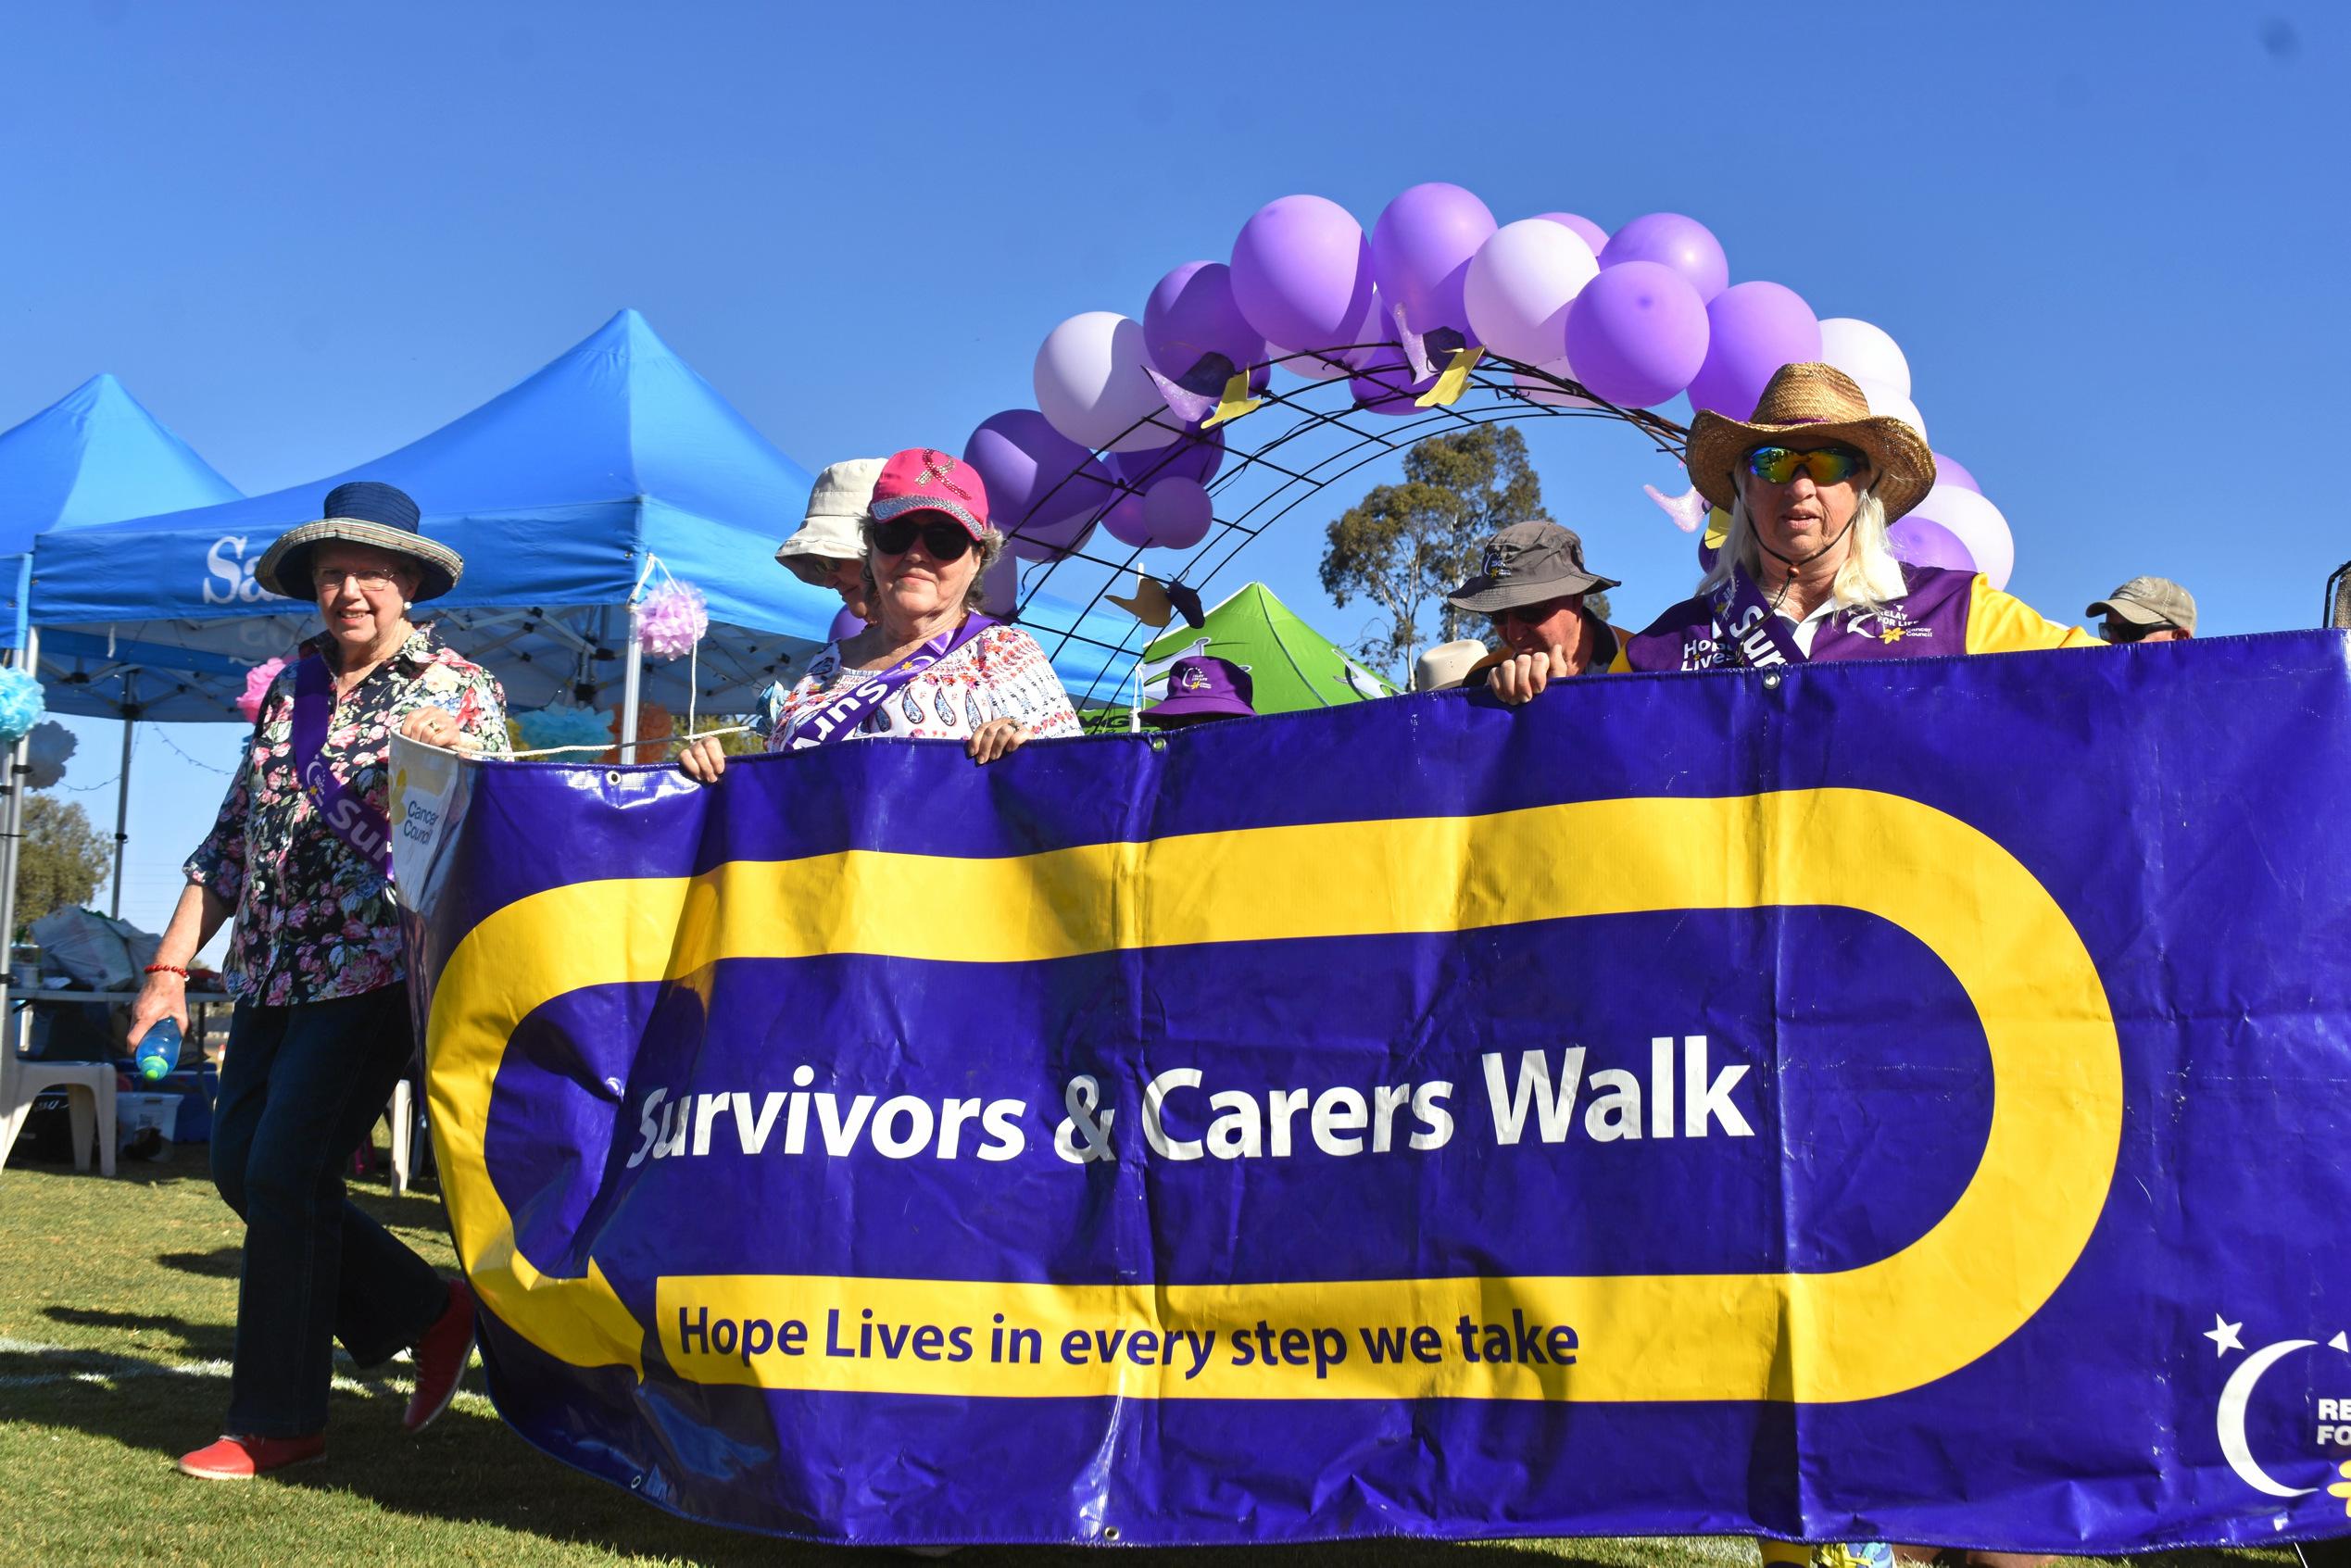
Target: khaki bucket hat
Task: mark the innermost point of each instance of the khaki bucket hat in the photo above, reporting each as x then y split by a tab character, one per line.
834	526
1525	564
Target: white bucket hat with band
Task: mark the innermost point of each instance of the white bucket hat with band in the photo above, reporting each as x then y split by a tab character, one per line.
833	530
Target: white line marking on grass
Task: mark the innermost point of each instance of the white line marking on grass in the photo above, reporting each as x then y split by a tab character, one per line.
104	1368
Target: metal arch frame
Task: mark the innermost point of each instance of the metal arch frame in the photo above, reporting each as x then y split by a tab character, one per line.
1496	377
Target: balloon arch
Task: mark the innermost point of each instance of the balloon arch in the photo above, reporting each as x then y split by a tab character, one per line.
1317	350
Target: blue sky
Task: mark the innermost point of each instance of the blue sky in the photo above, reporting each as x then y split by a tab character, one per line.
2111	239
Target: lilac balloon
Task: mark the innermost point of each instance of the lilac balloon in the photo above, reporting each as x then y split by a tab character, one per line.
1177	513
1751	331
1194	457
1386	385
1421	247
1922	542
1196	336
1637	335
1043	488
1595	235
844	627
1302	273
1683	244
1949	471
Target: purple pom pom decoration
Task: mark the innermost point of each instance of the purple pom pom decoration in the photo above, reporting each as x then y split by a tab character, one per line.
672	618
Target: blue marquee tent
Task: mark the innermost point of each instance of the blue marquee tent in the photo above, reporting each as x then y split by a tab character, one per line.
94	456
556	492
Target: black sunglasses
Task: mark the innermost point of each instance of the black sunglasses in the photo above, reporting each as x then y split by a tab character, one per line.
2130	632
944	540
1529	615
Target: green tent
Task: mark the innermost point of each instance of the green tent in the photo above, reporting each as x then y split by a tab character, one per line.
1292	665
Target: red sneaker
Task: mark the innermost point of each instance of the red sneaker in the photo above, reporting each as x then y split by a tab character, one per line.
242	1459
440	1358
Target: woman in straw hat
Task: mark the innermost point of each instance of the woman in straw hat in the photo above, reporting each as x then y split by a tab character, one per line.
1805	571
322	1031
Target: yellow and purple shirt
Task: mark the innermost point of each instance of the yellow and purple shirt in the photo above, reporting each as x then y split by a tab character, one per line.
1939	611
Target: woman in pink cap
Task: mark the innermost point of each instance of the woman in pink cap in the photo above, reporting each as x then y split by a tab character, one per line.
928	667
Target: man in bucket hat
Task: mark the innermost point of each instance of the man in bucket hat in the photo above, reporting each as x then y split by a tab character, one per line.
1807	570
2148	609
1532	580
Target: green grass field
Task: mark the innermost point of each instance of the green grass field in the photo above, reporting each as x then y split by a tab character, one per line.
117	1301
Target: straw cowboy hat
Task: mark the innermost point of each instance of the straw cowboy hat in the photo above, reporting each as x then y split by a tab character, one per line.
1812	406
362	512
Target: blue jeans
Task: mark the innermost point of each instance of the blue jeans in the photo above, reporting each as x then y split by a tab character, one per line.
299	1088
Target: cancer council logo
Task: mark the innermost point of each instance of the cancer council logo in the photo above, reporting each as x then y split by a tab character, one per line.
229	576
2330	1434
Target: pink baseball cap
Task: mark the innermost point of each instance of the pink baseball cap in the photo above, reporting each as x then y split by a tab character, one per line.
923	479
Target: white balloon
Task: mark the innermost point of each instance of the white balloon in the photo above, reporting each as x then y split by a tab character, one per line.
1534	389
1091	384
1865	353
1978	524
1520	284
1884	399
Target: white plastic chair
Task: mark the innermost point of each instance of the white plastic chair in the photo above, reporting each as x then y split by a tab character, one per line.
90	1098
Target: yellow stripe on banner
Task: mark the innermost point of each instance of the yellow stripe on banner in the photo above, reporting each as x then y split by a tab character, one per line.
1940	1303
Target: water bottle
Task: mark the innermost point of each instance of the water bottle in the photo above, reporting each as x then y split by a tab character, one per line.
158	1051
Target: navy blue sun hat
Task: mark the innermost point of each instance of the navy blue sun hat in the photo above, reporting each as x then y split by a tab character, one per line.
362	512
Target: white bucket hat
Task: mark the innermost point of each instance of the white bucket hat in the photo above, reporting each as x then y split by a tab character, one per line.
833	528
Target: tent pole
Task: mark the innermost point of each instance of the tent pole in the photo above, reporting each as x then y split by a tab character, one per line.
28	657
632	680
122	789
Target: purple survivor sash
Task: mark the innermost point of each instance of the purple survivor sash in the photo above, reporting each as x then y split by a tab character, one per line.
346	814
842	714
1746	628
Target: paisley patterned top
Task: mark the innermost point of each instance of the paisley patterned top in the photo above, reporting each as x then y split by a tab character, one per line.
1001	673
315	920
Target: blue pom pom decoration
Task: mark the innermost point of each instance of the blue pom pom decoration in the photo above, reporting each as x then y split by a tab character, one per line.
21	704
563	725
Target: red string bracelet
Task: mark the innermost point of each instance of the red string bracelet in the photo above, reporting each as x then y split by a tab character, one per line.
167	969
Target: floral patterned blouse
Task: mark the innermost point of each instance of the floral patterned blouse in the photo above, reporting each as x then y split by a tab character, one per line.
316	919
1001	673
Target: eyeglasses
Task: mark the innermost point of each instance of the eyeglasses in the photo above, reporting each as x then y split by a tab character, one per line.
1529	615
371	579
1826	465
944	540
2130	632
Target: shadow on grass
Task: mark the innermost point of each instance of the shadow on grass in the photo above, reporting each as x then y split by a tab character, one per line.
221	1263
468	1469
199	1342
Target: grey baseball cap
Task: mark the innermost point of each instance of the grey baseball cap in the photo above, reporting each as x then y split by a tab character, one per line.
2149	601
1525	564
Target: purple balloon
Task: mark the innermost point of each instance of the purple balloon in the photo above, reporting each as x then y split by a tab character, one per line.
1683	244
844	627
1637	335
1196	336
1421	247
1043	488
1924	543
1948	470
1196	457
1595	235
1302	273
1386	385
1751	331
1178	514
1124	522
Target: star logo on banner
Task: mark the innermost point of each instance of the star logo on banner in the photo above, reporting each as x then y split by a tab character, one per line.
2223	1334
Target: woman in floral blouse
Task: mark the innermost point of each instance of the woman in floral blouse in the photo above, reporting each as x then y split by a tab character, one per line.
928	667
323	1028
